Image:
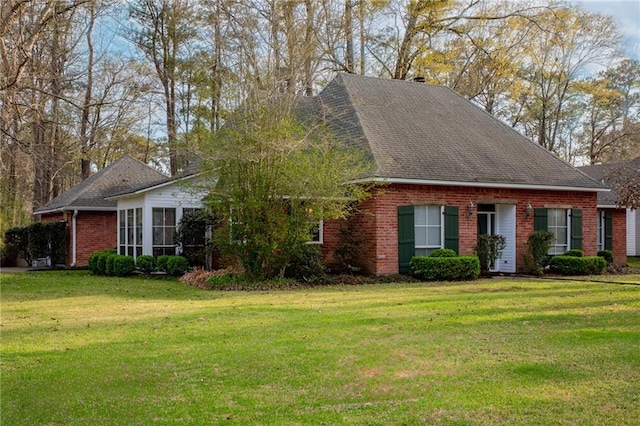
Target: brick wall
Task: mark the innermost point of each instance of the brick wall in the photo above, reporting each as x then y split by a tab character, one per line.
619	241
378	221
94	231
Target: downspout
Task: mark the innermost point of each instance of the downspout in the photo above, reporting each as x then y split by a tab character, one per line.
73	239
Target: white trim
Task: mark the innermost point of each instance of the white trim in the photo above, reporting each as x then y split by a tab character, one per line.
79	208
478	184
320	234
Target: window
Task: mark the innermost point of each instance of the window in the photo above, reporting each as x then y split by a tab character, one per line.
163	229
601	228
122	226
428	229
130	232
558	223
317	234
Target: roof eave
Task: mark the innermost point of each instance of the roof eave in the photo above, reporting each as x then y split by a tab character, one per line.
150	188
480	184
72	208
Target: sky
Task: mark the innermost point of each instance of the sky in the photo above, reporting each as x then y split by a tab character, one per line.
627	16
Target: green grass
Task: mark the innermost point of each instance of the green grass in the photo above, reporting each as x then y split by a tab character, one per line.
85	350
633	261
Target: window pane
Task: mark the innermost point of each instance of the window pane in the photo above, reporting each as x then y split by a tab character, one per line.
420	215
421	236
421	252
433	215
168	236
170	217
158	217
157	236
561	235
433	235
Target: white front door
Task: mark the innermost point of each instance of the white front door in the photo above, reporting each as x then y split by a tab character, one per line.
506	226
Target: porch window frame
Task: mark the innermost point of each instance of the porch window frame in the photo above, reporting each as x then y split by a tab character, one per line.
130	222
171	248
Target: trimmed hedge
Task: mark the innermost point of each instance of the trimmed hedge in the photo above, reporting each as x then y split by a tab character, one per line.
443	252
109	264
161	262
146	263
574	253
122	265
571	265
177	265
460	268
98	259
607	254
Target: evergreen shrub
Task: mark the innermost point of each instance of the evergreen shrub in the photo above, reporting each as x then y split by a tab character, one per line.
146	263
607	254
177	265
123	265
571	265
459	268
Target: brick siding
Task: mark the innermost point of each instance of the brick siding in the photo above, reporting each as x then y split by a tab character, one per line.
94	231
378	221
619	241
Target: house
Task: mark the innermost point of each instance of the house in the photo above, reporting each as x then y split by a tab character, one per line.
452	171
90	216
448	171
610	215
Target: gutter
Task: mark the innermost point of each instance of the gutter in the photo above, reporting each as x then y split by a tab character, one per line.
73	239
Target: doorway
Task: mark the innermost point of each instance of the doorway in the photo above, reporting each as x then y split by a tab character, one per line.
500	219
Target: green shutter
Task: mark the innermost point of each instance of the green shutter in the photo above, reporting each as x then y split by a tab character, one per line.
608	230
406	238
576	229
451	234
540	219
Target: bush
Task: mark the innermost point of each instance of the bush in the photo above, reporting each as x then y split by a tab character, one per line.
191	235
538	243
607	254
161	262
306	264
146	264
489	249
571	265
97	261
574	253
443	252
109	265
461	268
177	265
40	239
122	265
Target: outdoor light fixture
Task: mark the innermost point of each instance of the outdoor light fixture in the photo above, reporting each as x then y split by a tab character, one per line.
470	207
528	210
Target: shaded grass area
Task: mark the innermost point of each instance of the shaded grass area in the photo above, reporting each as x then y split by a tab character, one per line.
79	349
633	262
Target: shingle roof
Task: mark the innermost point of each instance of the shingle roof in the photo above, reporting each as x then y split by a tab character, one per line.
417	131
607	171
121	175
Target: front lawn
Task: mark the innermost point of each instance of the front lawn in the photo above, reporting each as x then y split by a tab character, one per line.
86	350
